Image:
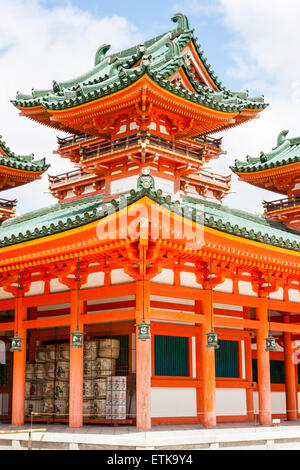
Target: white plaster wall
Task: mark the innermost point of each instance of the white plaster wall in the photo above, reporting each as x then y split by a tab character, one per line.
56	286
277	402
226	287
231	402
277	295
245	288
294	295
94	280
173	402
110	300
5	295
118	276
189	280
165	185
124	184
36	288
45	308
165	277
234	308
88	189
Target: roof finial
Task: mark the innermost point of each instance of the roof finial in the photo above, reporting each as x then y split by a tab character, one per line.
101	52
282	137
182	22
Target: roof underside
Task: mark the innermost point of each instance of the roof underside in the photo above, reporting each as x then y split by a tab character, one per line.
67	216
159	58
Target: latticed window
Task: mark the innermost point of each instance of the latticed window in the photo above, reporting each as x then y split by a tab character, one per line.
276	372
171	356
227	359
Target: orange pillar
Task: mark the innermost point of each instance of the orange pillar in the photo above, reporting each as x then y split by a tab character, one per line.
249	371
208	394
143	361
76	369
19	368
290	377
263	365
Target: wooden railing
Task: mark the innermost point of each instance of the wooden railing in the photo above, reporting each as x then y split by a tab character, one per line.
216	178
64	177
73	139
293	201
6	204
209	140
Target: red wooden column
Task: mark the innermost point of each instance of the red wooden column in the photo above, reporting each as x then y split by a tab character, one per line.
249	371
208	368
263	365
76	368
290	376
143	360
19	368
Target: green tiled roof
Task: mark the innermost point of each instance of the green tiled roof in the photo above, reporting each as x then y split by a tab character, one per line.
285	153
25	163
66	216
160	58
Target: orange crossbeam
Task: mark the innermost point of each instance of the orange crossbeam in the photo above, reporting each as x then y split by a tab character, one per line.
176	316
108	317
46	323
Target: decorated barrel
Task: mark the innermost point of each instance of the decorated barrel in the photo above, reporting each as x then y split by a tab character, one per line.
35	390
50	370
90	350
109	348
48	406
106	367
62	370
48	388
27	389
61	390
41	354
33	406
40	371
90	369
64	352
30	371
52	352
88	409
100	388
61	407
88	389
100	408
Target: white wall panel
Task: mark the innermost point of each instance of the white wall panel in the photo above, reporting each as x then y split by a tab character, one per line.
173	402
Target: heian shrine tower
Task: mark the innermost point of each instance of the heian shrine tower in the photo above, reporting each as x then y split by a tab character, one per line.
138	297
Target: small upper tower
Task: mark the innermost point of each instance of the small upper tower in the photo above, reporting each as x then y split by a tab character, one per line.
277	171
16	170
153	105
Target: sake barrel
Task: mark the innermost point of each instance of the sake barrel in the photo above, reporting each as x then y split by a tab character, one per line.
36	389
48	388
62	370
109	348
100	408
27	389
90	350
90	369
100	388
64	352
48	406
52	352
40	371
61	407
106	367
30	371
61	390
41	354
88	389
50	370
33	406
88	409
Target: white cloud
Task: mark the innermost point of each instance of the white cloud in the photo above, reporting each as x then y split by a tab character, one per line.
38	45
265	52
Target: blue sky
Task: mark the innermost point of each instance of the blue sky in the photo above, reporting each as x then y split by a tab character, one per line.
249	45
